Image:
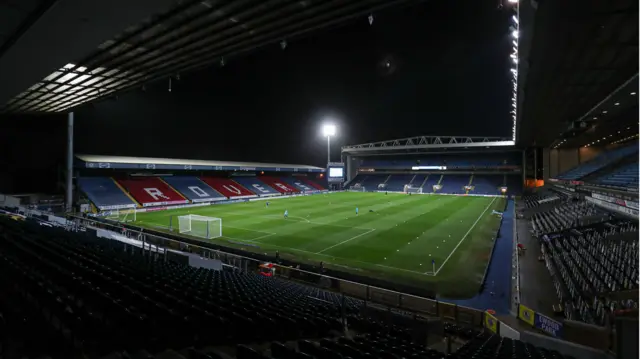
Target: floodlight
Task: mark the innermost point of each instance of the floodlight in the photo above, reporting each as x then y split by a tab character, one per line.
515	33
329	130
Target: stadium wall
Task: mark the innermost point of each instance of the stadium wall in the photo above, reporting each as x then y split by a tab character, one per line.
561	160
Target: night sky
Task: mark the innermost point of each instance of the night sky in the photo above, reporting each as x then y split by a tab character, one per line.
447	74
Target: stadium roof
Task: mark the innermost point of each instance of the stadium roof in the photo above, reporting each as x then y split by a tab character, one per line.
97	161
57	58
574	55
426	143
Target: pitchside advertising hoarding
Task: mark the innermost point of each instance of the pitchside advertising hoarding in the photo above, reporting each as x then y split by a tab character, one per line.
335	172
542	322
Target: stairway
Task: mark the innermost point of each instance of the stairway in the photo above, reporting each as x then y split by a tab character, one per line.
387	180
175	190
425	181
466	191
412	178
439	183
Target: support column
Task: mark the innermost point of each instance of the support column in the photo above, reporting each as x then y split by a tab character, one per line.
524	169
69	189
328	149
535	164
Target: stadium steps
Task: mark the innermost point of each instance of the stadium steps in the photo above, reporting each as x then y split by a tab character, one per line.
412	178
425	181
466	191
387	180
613	167
126	192
439	183
175	190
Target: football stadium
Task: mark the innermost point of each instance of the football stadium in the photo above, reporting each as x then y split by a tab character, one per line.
385	232
254	179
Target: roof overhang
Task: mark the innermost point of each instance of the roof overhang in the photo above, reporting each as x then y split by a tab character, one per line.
172	164
155	42
428	143
580	52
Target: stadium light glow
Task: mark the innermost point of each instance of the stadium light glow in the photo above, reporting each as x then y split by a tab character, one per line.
329	130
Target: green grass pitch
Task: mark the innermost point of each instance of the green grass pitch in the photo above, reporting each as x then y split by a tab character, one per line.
397	241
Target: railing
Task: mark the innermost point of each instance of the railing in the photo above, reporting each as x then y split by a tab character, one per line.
408	305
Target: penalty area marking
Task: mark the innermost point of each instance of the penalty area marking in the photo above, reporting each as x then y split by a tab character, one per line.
249	240
330	256
347	240
465	236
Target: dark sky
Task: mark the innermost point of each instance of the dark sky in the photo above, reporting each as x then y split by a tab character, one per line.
448	76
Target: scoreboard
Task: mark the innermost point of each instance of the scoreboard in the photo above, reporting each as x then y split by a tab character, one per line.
335	172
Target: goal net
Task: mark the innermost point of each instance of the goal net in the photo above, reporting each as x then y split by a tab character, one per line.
409	189
124	215
200	226
356	188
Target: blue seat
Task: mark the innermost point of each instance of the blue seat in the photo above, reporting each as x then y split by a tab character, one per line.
193	188
104	193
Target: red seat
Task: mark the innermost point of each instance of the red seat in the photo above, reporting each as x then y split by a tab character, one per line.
278	184
227	187
151	191
313	184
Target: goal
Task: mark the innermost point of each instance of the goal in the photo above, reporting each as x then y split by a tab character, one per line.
125	215
200	226
409	189
356	188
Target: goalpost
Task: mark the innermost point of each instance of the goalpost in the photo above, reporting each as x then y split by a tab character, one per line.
125	215
200	226
356	188
409	189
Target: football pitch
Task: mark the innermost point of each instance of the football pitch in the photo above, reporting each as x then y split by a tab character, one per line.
443	242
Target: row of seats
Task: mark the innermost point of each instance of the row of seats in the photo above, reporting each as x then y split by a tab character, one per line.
563	216
545	197
450	184
102	297
68	294
486	160
106	192
588	263
625	176
489	346
600	162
